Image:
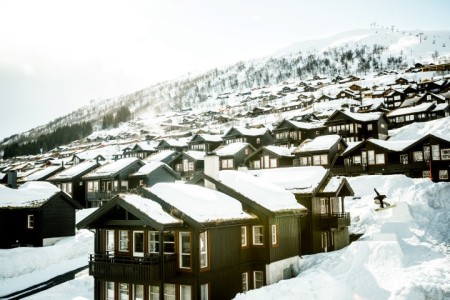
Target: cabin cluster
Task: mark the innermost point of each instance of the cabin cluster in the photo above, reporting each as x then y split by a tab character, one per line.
198	214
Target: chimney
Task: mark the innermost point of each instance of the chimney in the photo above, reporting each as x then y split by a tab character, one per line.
12	179
211	169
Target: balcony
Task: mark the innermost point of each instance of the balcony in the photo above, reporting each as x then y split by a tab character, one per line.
96	196
334	221
131	269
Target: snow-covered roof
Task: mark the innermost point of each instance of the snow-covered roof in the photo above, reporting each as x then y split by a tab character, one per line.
251	131
112	168
281	151
197	155
181	142
147	146
333	184
363	117
199	203
306	125
323	142
351	146
74	170
211	137
148	168
440	106
160	156
149	207
230	149
29	194
261	191
393	145
299	180
410	110
42	173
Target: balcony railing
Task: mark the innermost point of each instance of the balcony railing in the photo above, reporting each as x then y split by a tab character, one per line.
132	269
334	220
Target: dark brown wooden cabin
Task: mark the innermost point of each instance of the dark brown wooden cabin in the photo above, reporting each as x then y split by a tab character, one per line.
189	164
233	156
291	133
257	137
393	98
205	142
321	151
109	180
420	113
35	222
70	181
270	157
426	157
353	127
152	173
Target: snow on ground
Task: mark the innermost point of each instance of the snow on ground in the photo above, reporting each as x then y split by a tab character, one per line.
25	267
403	254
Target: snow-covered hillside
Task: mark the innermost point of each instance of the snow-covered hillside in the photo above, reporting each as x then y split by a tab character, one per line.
357	52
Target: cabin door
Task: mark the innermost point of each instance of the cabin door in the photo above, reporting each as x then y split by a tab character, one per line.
138	243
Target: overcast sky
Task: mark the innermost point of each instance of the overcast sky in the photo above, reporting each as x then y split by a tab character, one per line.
55	56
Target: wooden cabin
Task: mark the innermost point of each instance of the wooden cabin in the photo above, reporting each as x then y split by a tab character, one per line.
205	142
109	180
152	173
289	133
270	157
420	113
70	180
233	156
257	137
189	164
36	214
321	151
353	127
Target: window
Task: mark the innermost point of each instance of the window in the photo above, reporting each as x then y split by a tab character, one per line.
204	291
369	127
257	235
316	160
274	235
185	250
324	159
323	206
404	159
109	290
383	125
426	153
185	292
303	161
417	156
426	174
435	155
109	240
123	240
30	221
169	292
445	154
153	291
138	243
273	163
266	161
191	166
357	160
203	241
245	281
178	168
379	158
227	163
244	242
443	174
258	140
371	157
258	279
124	291
138	292
256	164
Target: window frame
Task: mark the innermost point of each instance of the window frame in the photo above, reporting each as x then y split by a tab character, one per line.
244	280
274	234
443	174
30	221
203	252
255	281
122	241
182	253
260	235
244	237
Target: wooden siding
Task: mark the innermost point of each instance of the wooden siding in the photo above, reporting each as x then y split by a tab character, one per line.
58	217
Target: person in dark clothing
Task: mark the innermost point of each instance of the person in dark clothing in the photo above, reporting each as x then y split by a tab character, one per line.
379	199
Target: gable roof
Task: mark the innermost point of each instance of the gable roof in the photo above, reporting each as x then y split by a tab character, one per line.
360	117
74	171
199	204
320	143
33	194
111	169
247	131
232	149
44	173
165	155
299	180
267	195
150	167
147	210
207	137
427	106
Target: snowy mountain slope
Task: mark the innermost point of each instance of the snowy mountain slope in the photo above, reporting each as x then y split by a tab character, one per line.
328	56
403	254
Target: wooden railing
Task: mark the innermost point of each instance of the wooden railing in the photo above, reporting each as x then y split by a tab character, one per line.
334	220
132	269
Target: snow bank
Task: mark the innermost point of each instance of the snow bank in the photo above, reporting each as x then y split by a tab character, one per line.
403	253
